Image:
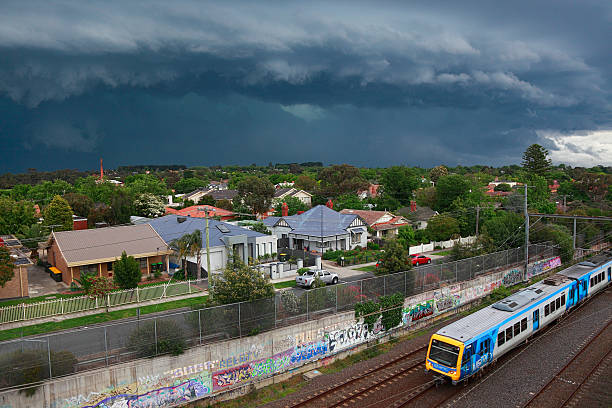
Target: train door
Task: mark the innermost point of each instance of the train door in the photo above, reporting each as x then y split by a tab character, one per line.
609	273
466	361
536	319
582	288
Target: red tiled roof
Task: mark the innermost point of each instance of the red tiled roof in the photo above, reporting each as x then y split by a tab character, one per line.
200	212
370	217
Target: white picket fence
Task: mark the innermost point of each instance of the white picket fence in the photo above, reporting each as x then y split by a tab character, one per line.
442	244
62	306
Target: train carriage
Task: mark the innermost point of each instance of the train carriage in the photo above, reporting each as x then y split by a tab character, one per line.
465	347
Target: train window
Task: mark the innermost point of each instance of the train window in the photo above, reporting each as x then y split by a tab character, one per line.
558	303
444	353
546	310
524	324
517	328
563	299
508	333
501	338
591	281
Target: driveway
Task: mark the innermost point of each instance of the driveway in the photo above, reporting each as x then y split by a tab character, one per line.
41	284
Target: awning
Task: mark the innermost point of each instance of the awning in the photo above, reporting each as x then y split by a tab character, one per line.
360	229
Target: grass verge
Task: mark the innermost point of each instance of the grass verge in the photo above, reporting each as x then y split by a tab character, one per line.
49	327
287	284
369	268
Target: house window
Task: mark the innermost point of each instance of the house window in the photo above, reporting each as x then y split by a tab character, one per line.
87	270
109	266
143	263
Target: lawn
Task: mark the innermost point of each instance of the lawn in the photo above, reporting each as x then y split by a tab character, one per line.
287	284
369	268
99	318
443	253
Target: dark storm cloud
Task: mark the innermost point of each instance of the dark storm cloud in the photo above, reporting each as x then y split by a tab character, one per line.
455	82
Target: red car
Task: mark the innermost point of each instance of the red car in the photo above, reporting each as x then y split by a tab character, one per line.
420	259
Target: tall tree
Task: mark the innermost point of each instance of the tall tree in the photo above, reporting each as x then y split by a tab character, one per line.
442	227
7	268
294	204
240	283
127	272
449	188
15	215
187	185
342	179
58	214
256	193
399	182
149	205
122	205
305	182
536	161
350	201
195	249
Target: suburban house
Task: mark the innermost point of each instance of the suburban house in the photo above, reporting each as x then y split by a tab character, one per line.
17	287
218	185
281	193
383	223
201	211
321	229
418	216
225	239
370	192
93	251
497	182
225	194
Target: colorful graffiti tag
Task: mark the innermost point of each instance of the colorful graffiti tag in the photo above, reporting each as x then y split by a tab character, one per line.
543	266
308	351
418	311
263	367
513	277
447	298
183	392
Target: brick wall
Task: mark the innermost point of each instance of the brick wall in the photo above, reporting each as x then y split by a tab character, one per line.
16	287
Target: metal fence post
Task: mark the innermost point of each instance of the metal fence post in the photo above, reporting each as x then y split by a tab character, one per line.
336	298
384	285
105	346
239	322
275	297
137	295
155	331
405	287
24	313
49	358
456	271
189	286
307	306
62	303
200	324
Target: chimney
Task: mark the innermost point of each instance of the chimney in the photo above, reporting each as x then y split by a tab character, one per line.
329	204
285	209
412	206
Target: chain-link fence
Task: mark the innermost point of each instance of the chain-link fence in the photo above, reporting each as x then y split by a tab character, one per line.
62	306
57	354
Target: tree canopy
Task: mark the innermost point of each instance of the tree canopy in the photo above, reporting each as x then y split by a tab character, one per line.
342	179
14	215
58	214
442	227
7	268
256	193
394	259
294	204
399	182
240	283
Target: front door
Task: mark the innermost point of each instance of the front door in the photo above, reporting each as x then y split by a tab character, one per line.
536	319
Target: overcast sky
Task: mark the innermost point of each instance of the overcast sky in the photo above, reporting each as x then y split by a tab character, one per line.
367	83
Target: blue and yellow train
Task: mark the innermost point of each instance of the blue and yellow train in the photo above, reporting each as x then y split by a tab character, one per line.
463	348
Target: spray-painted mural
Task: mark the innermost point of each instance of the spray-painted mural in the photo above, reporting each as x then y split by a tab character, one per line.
418	311
447	298
512	277
543	266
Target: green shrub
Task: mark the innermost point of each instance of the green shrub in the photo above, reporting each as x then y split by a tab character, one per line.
302	271
369	311
169	335
373	246
392	310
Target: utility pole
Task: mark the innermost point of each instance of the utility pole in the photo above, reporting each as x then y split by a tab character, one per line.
526	235
477	218
574	241
210	278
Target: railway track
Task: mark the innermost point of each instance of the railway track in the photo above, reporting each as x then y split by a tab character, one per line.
571	376
348	391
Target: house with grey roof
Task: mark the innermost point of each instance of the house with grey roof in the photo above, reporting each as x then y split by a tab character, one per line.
321	229
283	192
225	239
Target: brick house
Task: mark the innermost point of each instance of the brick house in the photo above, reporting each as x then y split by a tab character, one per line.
93	251
17	287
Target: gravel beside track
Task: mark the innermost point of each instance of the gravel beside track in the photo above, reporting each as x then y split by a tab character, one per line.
526	370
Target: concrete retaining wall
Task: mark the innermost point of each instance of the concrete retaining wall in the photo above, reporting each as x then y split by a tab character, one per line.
235	366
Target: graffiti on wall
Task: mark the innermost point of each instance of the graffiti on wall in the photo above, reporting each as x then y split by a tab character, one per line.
512	277
242	373
185	391
308	351
539	267
447	298
418	311
348	337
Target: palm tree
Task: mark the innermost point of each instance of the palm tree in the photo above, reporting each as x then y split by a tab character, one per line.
195	249
181	246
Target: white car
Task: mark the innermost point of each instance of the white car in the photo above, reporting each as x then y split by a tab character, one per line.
308	278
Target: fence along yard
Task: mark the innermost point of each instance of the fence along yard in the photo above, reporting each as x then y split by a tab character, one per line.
104	345
63	306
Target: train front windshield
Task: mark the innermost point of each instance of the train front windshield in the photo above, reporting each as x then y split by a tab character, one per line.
444	353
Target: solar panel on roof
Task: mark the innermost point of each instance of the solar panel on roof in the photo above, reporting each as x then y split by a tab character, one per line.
223	228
